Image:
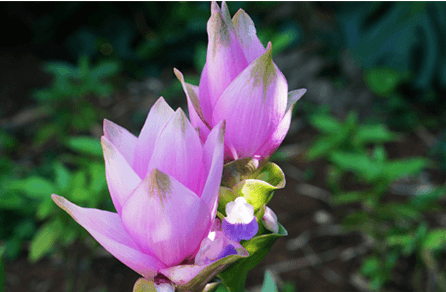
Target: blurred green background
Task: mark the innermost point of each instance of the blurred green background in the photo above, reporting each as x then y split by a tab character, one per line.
65	66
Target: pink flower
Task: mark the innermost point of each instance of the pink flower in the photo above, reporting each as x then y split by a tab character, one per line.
164	185
240	84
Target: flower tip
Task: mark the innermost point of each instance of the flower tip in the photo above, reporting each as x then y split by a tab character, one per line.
178	74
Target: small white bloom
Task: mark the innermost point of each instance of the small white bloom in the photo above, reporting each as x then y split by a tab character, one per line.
270	220
239	211
165	287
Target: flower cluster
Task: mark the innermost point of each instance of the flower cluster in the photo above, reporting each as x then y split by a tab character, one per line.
182	215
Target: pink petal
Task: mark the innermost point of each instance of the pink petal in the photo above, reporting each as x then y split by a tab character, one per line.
159	115
106	227
166	218
178	152
213	151
121	178
246	32
273	142
123	140
253	105
224	60
193	104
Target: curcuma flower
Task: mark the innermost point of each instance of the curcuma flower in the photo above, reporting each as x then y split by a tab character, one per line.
240	84
164	185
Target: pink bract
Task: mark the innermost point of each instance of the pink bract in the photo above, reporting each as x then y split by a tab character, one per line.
164	185
240	84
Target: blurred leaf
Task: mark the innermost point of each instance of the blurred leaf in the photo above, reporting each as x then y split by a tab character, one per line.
45	209
400	168
80	192
97	177
399	240
428	202
61	69
371	266
397	210
347	198
268	283
435	240
13	247
25	229
382	81
44	240
37	187
85	145
63	177
106	69
325	123
358	163
368	134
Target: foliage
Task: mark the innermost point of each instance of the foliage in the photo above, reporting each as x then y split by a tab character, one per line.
69	100
402	36
397	229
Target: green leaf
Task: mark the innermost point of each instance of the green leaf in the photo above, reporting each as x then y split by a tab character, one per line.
368	134
268	283
361	164
105	69
80	192
382	81
37	187
63	177
371	266
97	177
234	277
256	192
399	240
85	145
44	240
61	69
347	198
400	168
321	147
325	123
356	219
272	174
397	210
435	240
45	209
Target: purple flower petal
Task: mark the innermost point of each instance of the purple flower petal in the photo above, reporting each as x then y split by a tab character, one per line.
121	179
166	218
107	229
240	231
253	118
123	140
246	32
178	152
224	60
158	116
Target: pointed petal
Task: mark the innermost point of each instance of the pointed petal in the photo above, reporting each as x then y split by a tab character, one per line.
121	179
197	117
106	227
224	60
213	151
273	142
123	140
159	115
166	218
178	152
246	32
251	120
